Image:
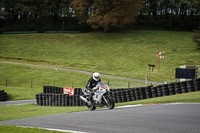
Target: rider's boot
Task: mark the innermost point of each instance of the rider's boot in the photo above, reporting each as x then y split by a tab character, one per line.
90	98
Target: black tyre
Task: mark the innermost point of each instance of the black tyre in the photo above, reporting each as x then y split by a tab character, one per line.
159	90
165	90
197	84
177	87
44	89
137	94
171	89
184	87
142	93
91	107
119	98
133	94
124	98
154	92
114	95
1	91
148	92
3	96
111	103
190	86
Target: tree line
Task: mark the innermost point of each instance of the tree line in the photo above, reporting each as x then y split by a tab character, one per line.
85	15
173	7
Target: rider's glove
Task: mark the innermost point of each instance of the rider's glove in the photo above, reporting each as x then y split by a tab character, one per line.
95	89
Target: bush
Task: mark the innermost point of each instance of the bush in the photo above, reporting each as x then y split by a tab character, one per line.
197	38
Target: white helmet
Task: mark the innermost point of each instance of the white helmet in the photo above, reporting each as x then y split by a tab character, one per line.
96	76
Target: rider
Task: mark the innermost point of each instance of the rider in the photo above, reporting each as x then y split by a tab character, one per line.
92	82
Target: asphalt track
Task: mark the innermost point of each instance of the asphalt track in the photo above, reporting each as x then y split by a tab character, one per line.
162	118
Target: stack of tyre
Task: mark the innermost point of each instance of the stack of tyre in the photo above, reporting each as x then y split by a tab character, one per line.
132	94
53	96
3	95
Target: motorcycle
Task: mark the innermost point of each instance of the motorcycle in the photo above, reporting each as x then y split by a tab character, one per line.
101	97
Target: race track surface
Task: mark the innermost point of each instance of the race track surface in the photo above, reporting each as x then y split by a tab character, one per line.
162	118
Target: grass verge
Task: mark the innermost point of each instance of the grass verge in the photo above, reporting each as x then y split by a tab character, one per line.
12	112
15	129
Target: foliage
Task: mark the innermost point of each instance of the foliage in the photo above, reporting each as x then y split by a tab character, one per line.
197	38
175	7
41	15
106	13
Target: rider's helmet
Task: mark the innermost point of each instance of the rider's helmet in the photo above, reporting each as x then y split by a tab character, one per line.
96	76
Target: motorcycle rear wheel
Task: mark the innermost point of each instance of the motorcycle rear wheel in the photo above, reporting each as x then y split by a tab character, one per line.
91	107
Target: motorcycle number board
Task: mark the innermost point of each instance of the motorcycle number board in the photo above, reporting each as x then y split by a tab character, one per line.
69	91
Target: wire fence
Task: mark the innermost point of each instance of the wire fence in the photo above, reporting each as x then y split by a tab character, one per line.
35	83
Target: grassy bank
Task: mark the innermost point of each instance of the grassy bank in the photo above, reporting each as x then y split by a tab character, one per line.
24	82
13	112
24	111
15	129
126	54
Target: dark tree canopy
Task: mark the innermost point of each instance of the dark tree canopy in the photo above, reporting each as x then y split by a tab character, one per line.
82	14
106	13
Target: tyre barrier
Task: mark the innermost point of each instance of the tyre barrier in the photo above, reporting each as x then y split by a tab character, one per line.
3	95
50	99
53	96
196	83
59	90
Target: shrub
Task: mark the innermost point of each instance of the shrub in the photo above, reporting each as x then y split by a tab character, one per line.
197	38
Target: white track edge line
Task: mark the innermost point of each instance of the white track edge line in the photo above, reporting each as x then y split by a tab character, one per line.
54	129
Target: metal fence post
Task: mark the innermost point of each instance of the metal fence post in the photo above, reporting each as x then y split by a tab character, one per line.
31	83
6	82
129	84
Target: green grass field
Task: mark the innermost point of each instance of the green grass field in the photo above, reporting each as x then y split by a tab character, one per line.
14	129
24	82
125	54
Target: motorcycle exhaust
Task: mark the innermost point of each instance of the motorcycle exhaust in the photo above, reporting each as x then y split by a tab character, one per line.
84	99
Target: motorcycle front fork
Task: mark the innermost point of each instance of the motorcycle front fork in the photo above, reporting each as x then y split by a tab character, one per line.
105	100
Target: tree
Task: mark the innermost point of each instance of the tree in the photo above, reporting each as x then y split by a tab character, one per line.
82	8
106	13
196	38
6	10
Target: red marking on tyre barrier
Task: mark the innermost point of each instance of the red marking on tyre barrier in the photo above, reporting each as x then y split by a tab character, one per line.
68	90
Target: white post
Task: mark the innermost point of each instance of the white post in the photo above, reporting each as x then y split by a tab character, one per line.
146	80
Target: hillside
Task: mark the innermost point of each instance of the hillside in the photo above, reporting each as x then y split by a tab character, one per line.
125	54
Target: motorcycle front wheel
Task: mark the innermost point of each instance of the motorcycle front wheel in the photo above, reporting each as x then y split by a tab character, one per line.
111	103
91	107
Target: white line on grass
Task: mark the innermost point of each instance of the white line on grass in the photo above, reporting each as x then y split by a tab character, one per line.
54	129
